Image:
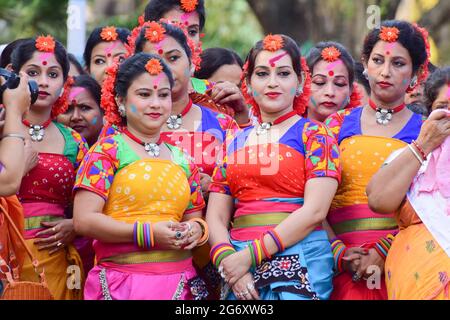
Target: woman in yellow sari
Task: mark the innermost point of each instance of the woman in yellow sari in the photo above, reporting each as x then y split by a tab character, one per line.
139	198
417	187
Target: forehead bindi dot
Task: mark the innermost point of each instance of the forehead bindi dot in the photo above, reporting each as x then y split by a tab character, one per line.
44	63
186	23
160	51
331	73
272	65
388	53
155	87
109	55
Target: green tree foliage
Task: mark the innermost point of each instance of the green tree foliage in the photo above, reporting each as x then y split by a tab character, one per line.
28	18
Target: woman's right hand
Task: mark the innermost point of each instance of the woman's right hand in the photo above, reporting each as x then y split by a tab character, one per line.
352	259
434	131
165	235
18	100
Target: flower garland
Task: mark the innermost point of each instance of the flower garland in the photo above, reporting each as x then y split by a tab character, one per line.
62	104
108	101
423	70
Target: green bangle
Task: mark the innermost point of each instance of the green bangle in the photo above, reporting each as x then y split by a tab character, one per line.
252	254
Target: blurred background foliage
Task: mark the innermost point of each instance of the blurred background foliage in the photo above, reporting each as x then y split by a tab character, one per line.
238	24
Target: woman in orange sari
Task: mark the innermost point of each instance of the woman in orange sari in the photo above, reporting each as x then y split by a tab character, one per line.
140	198
16	102
395	57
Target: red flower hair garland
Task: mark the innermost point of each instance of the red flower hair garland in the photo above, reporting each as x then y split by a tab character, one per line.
108	101
389	34
109	34
62	104
45	44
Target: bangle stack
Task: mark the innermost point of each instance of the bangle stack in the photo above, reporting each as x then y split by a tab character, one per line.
417	151
255	252
143	235
205	231
277	239
383	245
339	249
219	252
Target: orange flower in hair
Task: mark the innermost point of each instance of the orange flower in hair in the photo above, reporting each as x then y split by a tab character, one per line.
109	34
389	34
154	67
188	5
45	44
273	42
155	32
331	54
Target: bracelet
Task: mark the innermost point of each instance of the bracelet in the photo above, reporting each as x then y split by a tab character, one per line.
263	246
339	249
252	254
420	149
219	252
277	239
415	154
143	235
205	231
383	245
14	135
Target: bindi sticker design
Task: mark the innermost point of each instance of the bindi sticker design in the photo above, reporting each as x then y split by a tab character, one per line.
44	57
389	47
332	65
276	58
109	50
185	18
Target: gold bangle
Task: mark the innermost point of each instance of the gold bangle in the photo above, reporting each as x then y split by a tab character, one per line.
14	135
205	231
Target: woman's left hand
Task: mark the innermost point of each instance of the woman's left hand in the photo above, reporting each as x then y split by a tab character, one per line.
236	265
194	234
58	235
371	259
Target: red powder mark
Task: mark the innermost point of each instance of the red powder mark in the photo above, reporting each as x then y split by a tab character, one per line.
275	59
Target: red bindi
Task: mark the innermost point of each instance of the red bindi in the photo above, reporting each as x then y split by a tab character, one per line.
160	51
388	53
109	55
331	73
155	87
44	63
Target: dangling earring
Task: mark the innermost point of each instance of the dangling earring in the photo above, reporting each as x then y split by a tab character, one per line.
366	74
413	83
122	111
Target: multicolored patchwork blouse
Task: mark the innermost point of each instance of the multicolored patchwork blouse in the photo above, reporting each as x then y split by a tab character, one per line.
205	142
145	190
268	181
46	191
